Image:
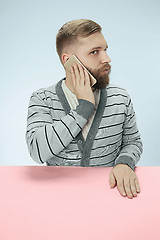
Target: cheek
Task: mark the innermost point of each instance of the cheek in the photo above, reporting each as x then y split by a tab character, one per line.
85	59
88	61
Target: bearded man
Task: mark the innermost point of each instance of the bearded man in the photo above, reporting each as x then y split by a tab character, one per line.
72	123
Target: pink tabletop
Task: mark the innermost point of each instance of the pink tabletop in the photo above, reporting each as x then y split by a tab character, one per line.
60	203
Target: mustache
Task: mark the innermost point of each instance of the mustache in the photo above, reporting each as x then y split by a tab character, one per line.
106	66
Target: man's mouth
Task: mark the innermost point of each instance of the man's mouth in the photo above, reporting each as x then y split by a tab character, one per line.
106	70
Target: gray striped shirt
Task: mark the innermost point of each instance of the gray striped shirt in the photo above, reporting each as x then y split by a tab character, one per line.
54	130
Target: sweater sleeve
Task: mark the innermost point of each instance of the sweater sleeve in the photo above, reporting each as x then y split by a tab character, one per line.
46	137
132	146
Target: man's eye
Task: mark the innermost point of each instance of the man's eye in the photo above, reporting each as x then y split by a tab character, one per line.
94	52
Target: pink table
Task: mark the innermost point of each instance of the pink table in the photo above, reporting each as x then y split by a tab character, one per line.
76	203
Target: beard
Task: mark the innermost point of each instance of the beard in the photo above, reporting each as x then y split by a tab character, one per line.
101	76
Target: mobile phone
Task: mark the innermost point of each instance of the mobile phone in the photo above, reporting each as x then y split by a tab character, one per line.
73	59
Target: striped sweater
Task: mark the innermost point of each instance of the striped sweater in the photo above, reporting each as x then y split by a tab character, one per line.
54	130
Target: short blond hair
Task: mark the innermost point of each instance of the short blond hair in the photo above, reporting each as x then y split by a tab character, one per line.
70	31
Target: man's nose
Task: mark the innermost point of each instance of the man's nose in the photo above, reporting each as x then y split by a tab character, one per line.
105	58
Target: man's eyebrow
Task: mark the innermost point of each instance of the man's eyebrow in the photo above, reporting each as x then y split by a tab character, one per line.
97	48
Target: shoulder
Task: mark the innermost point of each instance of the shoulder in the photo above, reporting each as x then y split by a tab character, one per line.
47	92
114	89
117	94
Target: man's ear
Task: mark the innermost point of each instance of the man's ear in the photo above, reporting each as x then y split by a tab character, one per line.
65	57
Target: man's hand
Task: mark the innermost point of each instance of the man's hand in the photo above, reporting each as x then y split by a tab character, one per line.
81	83
127	181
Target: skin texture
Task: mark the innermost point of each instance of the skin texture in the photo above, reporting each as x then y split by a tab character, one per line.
78	82
94	60
125	179
81	84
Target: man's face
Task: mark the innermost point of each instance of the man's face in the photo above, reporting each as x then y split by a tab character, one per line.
91	51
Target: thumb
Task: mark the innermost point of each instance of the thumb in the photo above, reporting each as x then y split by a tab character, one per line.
112	180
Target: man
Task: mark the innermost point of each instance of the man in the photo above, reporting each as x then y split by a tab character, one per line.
73	124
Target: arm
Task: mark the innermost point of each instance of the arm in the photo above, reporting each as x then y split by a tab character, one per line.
46	138
131	142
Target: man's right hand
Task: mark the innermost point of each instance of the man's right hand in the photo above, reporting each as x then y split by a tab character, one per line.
81	83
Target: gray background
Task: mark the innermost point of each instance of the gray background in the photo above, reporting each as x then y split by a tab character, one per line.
29	61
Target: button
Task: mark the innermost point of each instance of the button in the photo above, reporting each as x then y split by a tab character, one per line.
80	141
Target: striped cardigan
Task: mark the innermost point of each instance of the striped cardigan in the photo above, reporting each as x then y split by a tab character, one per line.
54	134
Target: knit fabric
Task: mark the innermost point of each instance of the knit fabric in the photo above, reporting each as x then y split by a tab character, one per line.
73	102
54	130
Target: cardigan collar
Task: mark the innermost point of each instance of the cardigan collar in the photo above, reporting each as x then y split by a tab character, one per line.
87	145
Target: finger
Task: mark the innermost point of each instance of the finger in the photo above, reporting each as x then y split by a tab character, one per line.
72	76
82	76
137	185
133	187
127	187
77	75
112	180
87	78
121	188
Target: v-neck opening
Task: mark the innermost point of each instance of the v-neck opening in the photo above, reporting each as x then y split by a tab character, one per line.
86	145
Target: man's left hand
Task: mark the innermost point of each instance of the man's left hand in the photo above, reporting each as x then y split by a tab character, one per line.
126	180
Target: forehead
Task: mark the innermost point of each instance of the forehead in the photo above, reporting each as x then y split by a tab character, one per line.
95	40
